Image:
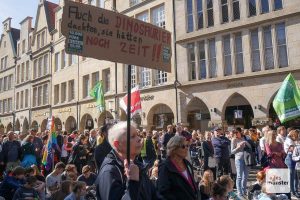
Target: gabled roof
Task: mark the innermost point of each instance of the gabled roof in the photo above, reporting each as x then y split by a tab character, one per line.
50	14
15	34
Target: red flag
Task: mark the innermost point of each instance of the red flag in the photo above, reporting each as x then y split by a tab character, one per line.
136	106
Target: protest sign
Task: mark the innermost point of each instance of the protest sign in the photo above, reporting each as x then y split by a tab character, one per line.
106	35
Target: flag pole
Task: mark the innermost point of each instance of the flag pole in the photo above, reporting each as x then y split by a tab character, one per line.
128	111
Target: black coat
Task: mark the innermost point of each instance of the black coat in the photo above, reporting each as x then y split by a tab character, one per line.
111	182
101	152
171	185
208	151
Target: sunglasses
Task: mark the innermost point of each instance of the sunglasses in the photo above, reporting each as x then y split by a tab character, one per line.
185	146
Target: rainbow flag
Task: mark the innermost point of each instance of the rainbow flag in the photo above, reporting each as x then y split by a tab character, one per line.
48	155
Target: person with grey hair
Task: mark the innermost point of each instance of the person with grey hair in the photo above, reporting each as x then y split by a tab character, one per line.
119	179
176	175
11	152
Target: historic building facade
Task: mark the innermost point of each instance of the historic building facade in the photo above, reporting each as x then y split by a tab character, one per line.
23	76
8	55
233	56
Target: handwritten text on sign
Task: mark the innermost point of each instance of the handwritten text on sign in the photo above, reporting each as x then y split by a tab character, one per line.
106	35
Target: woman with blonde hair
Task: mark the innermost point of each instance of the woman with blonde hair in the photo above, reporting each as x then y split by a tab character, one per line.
176	175
205	185
274	150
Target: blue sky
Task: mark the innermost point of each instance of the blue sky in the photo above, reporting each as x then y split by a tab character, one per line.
18	10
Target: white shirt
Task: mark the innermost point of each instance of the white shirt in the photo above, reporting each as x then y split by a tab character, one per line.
64	153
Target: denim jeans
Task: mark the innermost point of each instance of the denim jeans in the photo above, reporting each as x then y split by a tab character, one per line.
293	175
242	173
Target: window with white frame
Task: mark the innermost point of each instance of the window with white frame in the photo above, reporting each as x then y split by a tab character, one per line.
26	98
252	7
10	105
74	59
210	13
56	94
212	58
239	63
63	92
192	61
264	4
63	59
133	76
40	71
227	55
158	16
1	84
17	101
145	79
21	99
71	90
224	7
281	45
57	61
22	72
18	74
134	2
268	48
160	77
45	94
11	80
5	85
40	95
202	60
5	108
1	107
143	16
38	40
277	4
106	78
35	69
45	64
43	39
34	97
255	52
27	71
200	19
95	78
86	86
236	9
190	17
23	46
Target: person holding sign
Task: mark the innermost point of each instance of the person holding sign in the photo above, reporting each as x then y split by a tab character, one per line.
119	179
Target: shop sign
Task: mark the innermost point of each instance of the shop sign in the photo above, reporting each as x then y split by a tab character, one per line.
63	110
147	98
235	85
42	114
106	35
90	105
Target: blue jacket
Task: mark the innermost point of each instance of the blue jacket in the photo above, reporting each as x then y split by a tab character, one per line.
221	147
9	186
111	182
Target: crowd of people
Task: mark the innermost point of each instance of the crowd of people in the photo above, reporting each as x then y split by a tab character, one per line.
170	164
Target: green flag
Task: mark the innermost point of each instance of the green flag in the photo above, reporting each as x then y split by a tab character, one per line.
287	100
98	93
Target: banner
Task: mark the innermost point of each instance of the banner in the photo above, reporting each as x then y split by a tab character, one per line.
98	94
106	35
136	106
287	100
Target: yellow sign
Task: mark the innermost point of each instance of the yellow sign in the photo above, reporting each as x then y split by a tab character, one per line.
106	35
62	110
